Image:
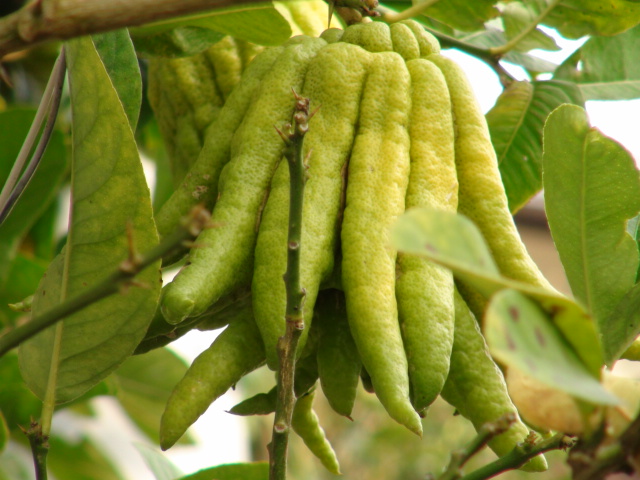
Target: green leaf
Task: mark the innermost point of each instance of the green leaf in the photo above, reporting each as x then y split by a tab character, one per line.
176	43
14	125
144	385
119	58
517	16
606	68
17	402
109	195
233	471
4	433
520	335
577	18
516	122
160	466
454	242
260	404
623	325
258	23
592	188
491	37
80	459
462	14
25	273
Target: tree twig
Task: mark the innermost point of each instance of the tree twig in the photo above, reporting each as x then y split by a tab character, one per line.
48	108
520	455
42	20
485	434
126	271
288	344
50	103
507	47
419	7
39	443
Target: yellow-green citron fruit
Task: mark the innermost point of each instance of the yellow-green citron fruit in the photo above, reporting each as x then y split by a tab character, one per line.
378	176
335	83
424	291
223	259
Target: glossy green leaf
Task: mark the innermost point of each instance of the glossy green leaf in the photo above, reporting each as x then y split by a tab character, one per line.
454	242
81	459
577	18
233	471
518	16
462	14
119	58
520	335
110	197
160	466
175	43
258	23
14	125
592	187
516	122
491	37
606	68
144	385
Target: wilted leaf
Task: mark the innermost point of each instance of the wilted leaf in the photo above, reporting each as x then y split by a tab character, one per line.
109	193
592	188
119	58
516	122
608	67
521	335
454	242
233	471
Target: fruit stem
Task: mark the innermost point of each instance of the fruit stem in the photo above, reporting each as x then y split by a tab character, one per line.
288	344
520	455
392	17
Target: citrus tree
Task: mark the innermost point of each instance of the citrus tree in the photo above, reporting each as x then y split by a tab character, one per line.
335	201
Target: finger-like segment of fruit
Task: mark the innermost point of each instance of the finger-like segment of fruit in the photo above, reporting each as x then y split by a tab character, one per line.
225	62
373	37
339	363
476	386
237	351
309	15
200	185
334	82
428	43
247	51
482	196
223	257
424	291
377	183
306	424
404	41
184	96
332	35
